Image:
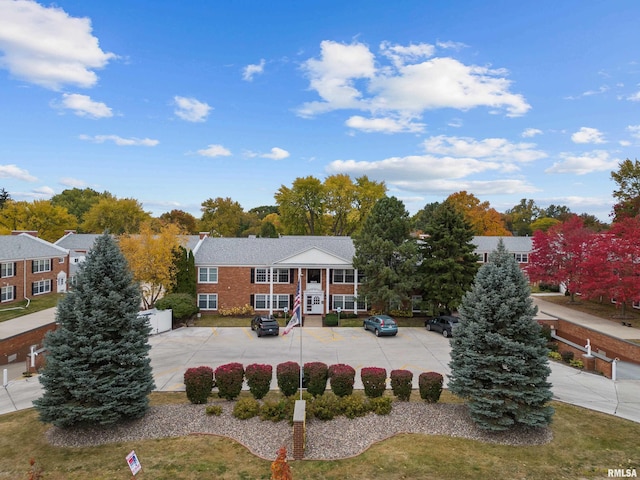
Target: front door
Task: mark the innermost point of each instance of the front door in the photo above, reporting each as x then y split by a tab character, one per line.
313	303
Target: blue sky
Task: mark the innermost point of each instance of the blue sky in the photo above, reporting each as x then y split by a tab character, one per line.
173	103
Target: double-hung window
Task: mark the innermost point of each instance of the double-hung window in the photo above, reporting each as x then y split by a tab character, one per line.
521	257
7	293
43	265
208	301
343	275
208	275
263	301
348	302
280	275
7	270
43	286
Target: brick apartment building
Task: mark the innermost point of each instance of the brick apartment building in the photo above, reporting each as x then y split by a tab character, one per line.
30	266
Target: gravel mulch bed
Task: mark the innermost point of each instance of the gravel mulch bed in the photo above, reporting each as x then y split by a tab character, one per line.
326	440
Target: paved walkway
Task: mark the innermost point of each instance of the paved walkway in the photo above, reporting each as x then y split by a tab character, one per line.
414	349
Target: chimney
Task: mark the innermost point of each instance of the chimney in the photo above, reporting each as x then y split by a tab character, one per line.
67	232
203	235
33	233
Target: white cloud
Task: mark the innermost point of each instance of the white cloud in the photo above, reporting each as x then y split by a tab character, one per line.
595	161
635	97
493	148
350	77
634	130
252	70
276	154
451	45
455	123
384	125
83	106
44	191
531	132
400	54
333	76
13	171
190	109
214	151
588	135
47	47
120	141
72	182
625	143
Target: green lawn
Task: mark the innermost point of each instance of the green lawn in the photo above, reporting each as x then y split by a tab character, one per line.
584	446
38	303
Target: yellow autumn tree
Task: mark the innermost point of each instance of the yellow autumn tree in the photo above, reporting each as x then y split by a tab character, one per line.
483	219
151	259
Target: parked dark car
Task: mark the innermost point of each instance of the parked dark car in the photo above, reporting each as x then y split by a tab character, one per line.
445	324
381	325
264	325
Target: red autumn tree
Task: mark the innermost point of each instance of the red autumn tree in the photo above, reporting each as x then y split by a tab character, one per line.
612	269
558	255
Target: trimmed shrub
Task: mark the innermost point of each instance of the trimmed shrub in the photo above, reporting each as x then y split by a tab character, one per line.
326	407
379	405
566	356
288	375
316	375
229	379
374	380
401	384
341	378
246	408
182	305
576	364
213	410
354	405
259	379
430	384
274	410
554	356
199	383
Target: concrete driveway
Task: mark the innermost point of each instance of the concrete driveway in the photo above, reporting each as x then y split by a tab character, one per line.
412	349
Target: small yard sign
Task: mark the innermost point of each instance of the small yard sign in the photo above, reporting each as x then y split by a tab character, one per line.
133	462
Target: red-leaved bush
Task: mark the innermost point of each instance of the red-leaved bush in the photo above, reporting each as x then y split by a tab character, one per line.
198	382
341	378
316	375
430	385
288	376
401	384
229	378
374	380
259	379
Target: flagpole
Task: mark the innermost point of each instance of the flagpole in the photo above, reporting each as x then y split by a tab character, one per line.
300	313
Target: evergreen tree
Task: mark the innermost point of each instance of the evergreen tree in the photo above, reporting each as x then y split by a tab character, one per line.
98	370
449	262
186	276
386	255
498	357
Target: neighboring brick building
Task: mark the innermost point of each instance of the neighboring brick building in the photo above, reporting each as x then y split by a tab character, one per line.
30	266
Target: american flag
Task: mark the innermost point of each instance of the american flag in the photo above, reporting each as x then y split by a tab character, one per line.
296	314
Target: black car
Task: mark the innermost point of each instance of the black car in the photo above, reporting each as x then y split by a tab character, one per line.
264	325
445	324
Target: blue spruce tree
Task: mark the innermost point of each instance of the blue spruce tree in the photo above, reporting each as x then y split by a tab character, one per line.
98	370
499	359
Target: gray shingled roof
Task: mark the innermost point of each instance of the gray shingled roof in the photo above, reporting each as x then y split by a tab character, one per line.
78	241
268	251
25	246
84	241
513	244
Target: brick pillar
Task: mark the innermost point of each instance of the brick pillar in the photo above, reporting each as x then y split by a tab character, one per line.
299	416
589	362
